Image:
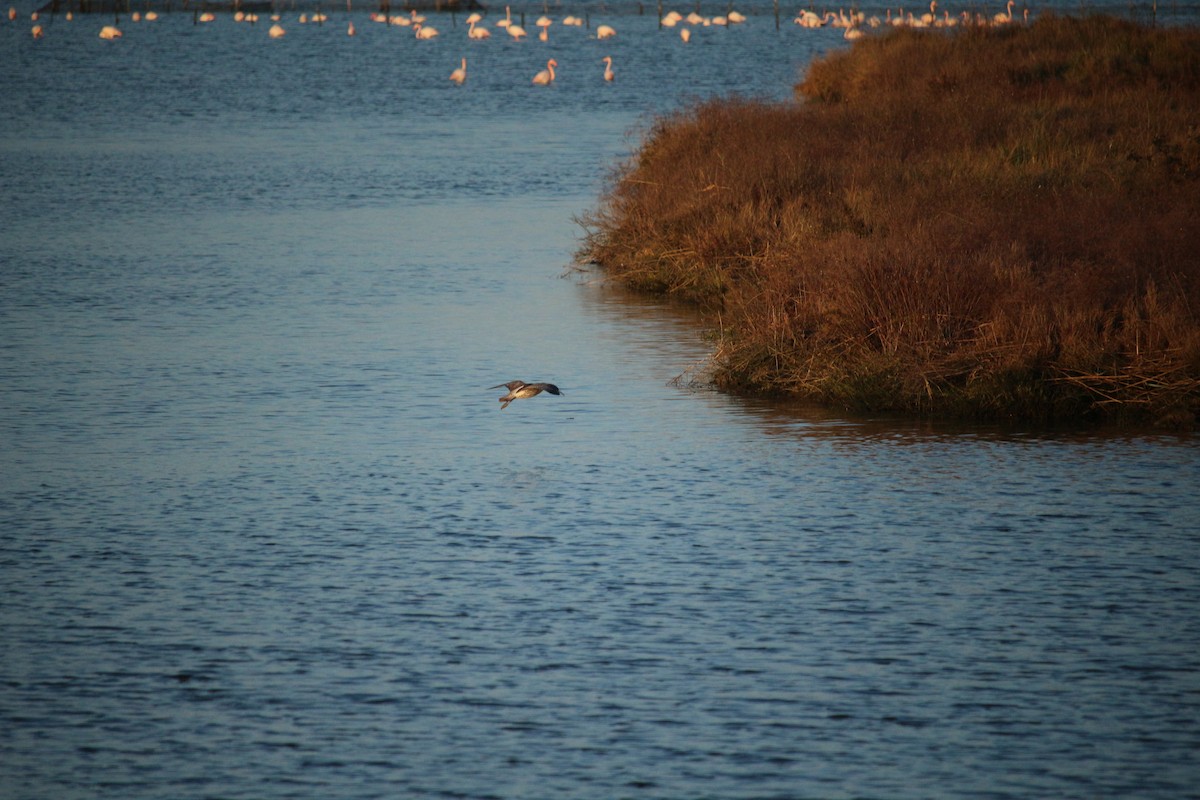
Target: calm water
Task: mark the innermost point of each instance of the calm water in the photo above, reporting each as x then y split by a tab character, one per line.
265	533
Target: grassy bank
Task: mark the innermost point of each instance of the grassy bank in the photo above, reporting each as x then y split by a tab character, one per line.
992	222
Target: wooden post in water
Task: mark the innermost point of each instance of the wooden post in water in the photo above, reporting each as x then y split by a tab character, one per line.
660	14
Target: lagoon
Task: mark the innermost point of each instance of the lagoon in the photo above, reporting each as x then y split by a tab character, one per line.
264	531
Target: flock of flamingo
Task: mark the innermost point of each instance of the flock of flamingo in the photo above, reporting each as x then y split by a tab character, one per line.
852	24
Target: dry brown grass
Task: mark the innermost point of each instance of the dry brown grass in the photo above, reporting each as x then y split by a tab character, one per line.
994	222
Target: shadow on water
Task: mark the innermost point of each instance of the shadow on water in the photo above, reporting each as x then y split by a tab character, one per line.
673	337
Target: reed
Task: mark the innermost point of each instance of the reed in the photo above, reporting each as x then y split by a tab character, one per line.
991	222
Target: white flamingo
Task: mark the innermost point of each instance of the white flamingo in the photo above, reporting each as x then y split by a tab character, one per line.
424	31
605	31
546	76
459	75
808	19
110	32
931	16
477	33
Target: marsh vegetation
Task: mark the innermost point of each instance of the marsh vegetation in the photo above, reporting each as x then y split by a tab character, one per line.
990	222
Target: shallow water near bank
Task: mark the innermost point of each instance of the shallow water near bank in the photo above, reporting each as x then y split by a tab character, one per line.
264	531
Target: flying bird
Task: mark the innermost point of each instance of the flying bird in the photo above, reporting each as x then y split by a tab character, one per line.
519	390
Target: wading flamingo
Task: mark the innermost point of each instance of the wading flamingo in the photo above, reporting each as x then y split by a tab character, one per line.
685	34
110	32
930	17
808	19
276	31
424	31
515	31
605	31
545	78
608	73
477	33
459	75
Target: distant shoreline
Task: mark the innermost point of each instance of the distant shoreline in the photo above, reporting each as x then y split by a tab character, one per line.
251	6
995	223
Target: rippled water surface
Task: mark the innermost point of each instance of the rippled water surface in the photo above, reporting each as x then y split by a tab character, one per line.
265	533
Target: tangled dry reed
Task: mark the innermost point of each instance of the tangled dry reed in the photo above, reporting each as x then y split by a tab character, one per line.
996	222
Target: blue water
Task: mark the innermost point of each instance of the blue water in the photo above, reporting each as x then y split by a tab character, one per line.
265	533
